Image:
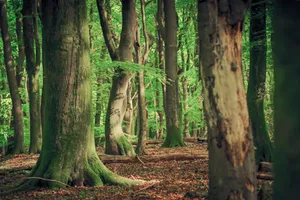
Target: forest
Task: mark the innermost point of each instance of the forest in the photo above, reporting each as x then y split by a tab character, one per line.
149	99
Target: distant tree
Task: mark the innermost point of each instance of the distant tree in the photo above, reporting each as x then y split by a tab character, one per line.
232	172
172	108
257	80
286	48
12	82
32	51
68	155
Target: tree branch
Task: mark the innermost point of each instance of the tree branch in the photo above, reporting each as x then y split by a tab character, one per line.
106	29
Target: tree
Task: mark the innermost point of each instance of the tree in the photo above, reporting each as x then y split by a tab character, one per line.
68	154
116	142
229	130
12	82
286	45
141	59
257	80
30	31
173	109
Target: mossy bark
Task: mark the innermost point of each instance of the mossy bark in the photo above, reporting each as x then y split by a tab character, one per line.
173	108
229	131
116	142
68	153
257	79
286	48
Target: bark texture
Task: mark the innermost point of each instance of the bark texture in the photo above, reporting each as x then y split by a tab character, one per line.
286	46
68	153
173	109
32	67
257	80
116	143
229	130
12	82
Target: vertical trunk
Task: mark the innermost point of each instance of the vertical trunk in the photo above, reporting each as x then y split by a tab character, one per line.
32	66
141	60
286	47
116	143
161	33
229	131
12	82
21	48
257	80
173	110
68	155
185	66
128	117
99	106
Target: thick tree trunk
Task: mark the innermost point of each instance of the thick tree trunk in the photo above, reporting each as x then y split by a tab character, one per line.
286	48
12	82
68	154
32	67
257	80
173	109
229	130
116	143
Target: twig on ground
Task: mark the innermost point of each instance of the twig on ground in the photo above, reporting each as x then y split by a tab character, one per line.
140	160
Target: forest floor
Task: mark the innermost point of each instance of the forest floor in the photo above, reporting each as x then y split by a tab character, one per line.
164	179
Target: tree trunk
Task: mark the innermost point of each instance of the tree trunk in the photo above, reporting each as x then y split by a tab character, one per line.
161	33
128	117
68	154
184	82
229	130
173	110
141	60
12	82
116	143
32	66
100	80
257	80
286	47
21	48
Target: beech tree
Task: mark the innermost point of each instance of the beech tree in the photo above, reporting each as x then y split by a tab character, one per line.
32	51
229	131
116	142
17	112
286	46
172	108
257	80
68	154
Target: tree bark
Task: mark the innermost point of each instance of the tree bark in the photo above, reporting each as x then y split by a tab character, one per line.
229	131
286	45
21	48
68	154
141	60
12	82
173	109
257	80
128	117
116	143
32	66
161	33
